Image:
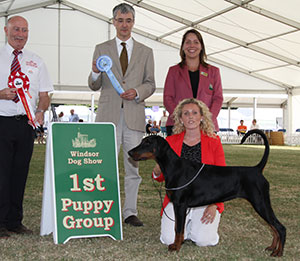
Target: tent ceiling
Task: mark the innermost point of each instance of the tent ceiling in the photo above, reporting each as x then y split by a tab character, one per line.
260	38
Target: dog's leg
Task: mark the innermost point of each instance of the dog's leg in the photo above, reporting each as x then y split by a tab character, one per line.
277	245
262	206
276	239
180	215
280	232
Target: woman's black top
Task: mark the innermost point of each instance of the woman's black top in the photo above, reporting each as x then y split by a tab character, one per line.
194	78
192	153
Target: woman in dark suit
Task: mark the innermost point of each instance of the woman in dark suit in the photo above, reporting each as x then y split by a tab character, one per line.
193	78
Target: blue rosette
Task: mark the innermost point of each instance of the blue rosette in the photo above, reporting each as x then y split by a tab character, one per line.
104	64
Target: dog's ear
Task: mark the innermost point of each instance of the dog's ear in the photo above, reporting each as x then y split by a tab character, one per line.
160	145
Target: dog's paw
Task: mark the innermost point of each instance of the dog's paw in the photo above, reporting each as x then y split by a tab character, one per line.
173	247
277	253
270	248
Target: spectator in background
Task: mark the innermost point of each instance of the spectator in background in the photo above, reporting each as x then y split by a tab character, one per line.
73	117
163	122
241	129
254	125
60	117
155	128
193	77
148	127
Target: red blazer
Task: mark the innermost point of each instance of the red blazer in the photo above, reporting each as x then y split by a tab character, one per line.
211	152
178	87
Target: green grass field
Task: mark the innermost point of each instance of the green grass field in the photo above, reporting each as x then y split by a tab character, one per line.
243	234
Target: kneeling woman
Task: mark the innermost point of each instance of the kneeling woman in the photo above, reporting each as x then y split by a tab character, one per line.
194	139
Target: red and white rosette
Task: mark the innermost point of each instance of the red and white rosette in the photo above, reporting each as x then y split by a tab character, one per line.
20	81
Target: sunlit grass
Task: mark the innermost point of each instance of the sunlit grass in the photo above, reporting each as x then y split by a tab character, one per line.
243	234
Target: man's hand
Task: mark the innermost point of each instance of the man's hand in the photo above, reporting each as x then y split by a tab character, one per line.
44	101
8	93
94	67
39	118
129	94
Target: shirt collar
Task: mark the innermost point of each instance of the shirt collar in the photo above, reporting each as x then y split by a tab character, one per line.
129	42
10	49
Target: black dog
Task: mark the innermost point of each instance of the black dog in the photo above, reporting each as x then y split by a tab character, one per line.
213	184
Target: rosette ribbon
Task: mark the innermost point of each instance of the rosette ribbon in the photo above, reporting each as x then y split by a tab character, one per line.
20	81
104	64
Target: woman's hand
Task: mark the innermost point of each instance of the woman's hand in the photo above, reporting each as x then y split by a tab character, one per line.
157	170
209	214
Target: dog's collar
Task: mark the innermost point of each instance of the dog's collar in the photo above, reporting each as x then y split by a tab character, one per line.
181	187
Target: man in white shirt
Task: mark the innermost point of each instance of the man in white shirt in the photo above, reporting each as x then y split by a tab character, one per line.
16	133
254	125
163	122
73	117
127	110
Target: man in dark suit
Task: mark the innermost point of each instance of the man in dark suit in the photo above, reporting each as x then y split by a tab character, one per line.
127	110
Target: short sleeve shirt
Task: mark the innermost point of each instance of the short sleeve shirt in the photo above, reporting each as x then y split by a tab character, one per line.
31	65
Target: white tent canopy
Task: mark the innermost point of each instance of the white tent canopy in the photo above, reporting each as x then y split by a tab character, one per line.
256	44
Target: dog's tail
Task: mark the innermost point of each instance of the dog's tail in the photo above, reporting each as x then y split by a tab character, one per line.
264	159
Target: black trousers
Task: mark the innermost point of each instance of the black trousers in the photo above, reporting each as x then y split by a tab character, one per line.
16	146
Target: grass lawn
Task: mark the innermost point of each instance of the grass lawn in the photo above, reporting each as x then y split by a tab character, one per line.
243	234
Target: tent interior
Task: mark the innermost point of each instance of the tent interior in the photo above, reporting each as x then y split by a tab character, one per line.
255	43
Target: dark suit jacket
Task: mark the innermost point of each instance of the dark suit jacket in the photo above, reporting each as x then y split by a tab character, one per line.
139	75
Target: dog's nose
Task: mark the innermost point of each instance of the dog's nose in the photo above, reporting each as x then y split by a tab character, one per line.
130	153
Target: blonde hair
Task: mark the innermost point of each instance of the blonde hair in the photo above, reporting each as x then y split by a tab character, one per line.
206	125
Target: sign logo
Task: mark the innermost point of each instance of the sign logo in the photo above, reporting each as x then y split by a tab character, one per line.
82	141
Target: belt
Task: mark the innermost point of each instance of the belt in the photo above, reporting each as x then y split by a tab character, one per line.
17	117
20	116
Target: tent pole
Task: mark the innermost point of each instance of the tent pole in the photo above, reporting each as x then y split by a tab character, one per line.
229	116
289	113
58	47
254	107
92	107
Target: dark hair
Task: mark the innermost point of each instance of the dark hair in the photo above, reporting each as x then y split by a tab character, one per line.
202	55
124	9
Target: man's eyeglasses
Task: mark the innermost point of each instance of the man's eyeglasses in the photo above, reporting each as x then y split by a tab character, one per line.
121	20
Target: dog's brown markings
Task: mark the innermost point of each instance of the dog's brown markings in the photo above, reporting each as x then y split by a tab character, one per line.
226	183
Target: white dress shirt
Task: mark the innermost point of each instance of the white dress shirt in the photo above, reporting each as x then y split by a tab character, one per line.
129	47
31	65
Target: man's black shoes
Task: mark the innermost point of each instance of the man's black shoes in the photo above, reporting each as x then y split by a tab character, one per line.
4	233
133	221
21	230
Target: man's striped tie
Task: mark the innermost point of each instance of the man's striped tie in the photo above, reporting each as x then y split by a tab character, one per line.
15	67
